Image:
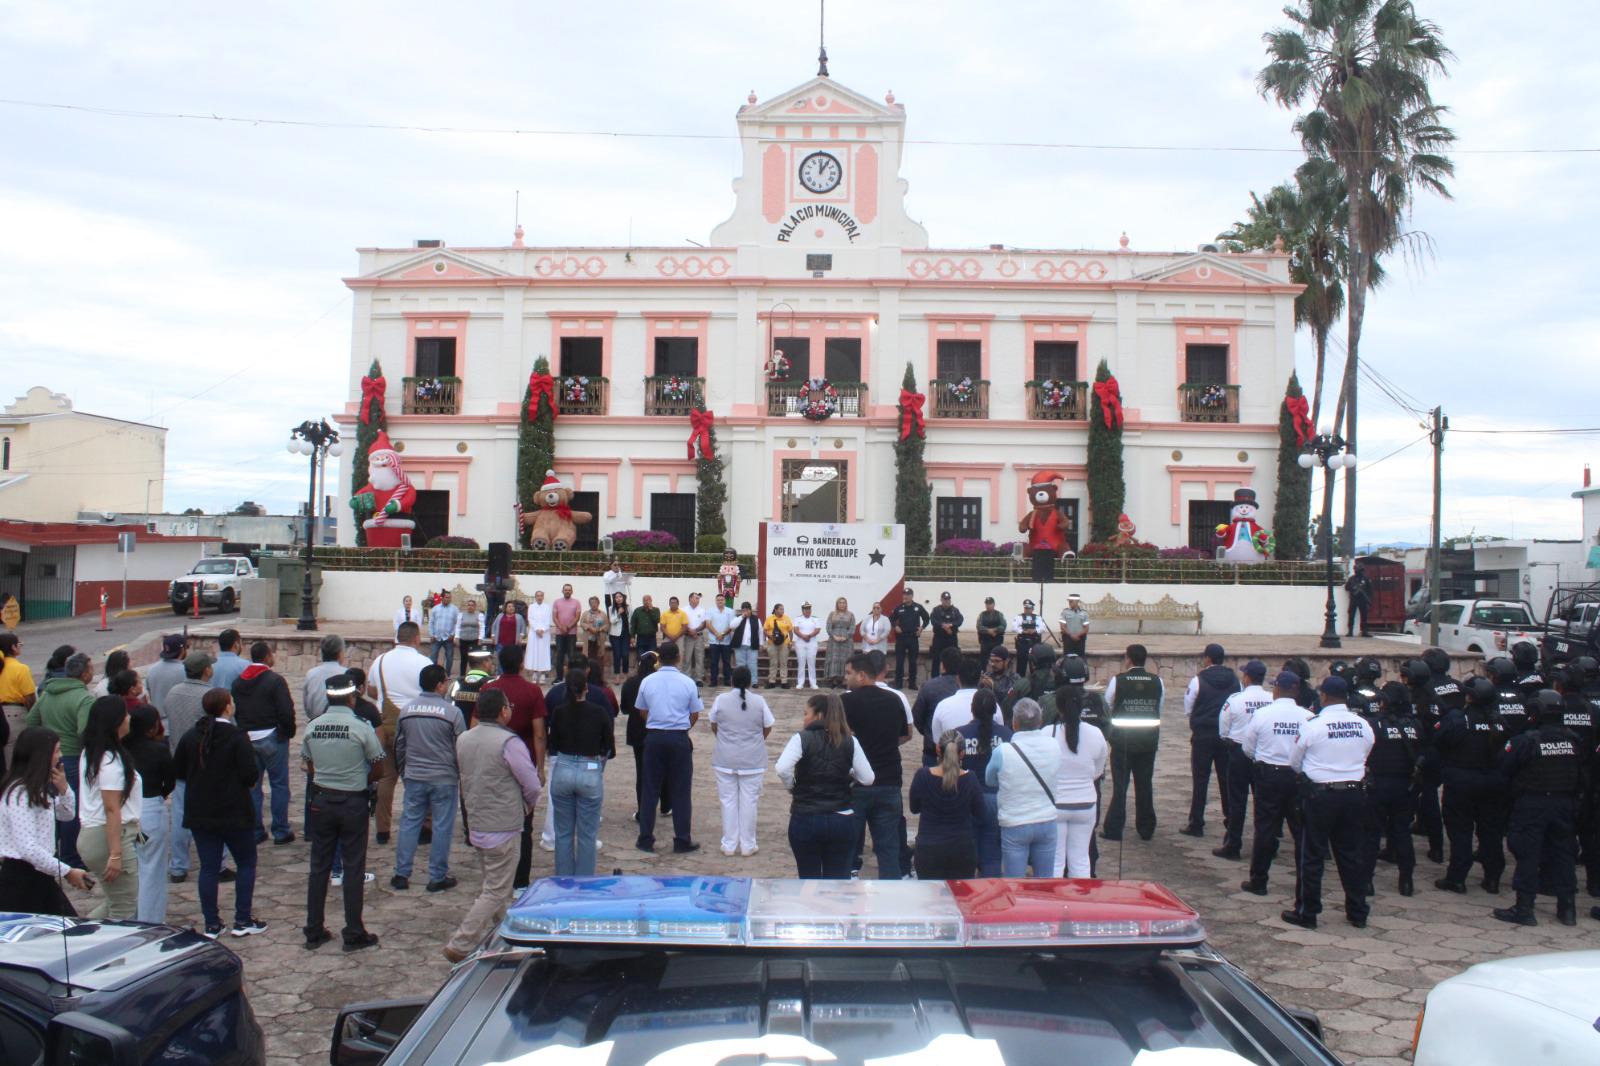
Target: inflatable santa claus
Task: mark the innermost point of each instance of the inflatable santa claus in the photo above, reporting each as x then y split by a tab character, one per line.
1242	539
383	504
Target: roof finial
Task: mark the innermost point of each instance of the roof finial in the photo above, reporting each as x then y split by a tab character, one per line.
822	39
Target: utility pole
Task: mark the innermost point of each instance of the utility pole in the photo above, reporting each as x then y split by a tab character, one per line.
1436	437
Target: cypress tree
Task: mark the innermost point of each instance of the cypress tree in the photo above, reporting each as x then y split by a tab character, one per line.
710	496
1291	513
1107	489
366	434
913	496
536	443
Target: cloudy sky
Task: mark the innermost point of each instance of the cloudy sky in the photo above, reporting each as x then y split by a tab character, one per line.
188	271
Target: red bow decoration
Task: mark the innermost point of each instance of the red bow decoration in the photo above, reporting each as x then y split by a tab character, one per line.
1300	415
372	390
563	511
541	385
911	420
1110	397
700	433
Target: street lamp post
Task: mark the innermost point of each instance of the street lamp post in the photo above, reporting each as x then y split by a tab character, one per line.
314	439
1329	451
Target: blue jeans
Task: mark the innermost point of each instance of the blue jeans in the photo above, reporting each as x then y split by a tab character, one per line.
879	807
448	646
422	798
67	832
272	759
241	844
1022	846
719	662
987	832
821	844
178	863
577	789
750	659
155	821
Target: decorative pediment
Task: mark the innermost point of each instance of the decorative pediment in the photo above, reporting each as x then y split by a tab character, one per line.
439	264
1209	270
819	98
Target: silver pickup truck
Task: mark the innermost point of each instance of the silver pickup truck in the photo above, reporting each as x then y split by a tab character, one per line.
217	580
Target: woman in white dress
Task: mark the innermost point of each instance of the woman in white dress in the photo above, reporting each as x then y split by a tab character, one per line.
539	625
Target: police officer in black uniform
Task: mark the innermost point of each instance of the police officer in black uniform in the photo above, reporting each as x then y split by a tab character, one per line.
1434	693
1510	704
946	620
1578	715
1307	696
1397	742
1544	767
909	619
1529	681
1469	741
1039	682
1030	628
1364	680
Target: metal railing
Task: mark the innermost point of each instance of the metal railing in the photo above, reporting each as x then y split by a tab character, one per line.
430	396
783	398
672	394
959	398
1063	401
1208	403
585	396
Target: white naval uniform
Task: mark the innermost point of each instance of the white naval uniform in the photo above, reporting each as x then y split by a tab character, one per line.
805	633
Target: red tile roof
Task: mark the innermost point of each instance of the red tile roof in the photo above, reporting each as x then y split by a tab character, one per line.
49	534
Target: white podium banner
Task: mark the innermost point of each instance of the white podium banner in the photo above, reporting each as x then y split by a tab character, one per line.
819	562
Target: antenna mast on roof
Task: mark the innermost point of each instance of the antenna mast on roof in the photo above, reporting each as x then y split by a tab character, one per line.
822	45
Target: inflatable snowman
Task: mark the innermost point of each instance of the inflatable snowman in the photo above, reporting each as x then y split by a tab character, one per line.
383	505
1243	540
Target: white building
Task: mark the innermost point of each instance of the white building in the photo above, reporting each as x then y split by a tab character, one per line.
820	258
56	461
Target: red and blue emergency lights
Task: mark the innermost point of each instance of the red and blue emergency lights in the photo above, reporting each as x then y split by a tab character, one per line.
778	913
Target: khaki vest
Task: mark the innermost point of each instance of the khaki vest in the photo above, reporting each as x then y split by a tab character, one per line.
490	794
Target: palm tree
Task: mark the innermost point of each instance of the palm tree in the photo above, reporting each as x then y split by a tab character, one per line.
1305	219
1364	68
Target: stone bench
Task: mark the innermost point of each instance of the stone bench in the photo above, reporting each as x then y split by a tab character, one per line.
1166	609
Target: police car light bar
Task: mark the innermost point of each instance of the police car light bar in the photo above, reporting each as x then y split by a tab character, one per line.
788	913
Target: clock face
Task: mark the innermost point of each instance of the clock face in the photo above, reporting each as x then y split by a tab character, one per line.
820	172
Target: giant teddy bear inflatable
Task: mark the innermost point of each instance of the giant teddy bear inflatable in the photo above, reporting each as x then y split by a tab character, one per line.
553	524
1047	525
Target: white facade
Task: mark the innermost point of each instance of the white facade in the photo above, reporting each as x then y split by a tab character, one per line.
822	177
56	462
1529	570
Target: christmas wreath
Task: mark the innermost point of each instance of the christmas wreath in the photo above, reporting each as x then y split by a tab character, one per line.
817	399
778	366
1054	394
1213	396
962	391
677	390
575	389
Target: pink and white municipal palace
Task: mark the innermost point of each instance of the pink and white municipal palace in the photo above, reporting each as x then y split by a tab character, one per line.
819	259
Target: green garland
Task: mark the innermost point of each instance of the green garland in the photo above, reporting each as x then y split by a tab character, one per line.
1291	514
913	496
1108	490
366	434
536	445
711	527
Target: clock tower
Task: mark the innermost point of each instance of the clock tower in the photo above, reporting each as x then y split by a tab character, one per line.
821	175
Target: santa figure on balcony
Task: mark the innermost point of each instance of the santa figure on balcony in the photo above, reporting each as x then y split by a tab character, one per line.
383	504
1242	539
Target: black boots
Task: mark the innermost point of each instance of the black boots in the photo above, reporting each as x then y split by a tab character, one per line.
1406	887
1491	885
1567	910
1444	884
1521	913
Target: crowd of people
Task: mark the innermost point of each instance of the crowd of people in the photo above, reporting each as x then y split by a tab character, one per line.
108	781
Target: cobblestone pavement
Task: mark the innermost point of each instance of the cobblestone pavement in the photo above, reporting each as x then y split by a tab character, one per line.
1365	984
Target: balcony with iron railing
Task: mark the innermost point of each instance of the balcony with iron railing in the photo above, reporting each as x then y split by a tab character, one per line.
583	395
672	394
959	398
430	396
1208	403
1058	401
783	398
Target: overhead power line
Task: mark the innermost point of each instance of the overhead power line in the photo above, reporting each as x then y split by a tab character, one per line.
407	127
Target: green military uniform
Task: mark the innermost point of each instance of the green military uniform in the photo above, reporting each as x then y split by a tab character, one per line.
340	749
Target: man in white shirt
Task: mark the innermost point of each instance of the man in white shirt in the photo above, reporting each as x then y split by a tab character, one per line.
1269	742
806	628
875	630
719	642
394	680
1332	753
955	711
694	639
1237	712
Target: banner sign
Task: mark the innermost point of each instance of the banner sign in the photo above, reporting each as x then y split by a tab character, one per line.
819	562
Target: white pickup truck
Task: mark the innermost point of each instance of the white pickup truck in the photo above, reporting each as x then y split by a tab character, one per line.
1482	627
218	580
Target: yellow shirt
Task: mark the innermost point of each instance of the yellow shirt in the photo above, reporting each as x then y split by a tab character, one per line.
16	682
780	622
673	623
